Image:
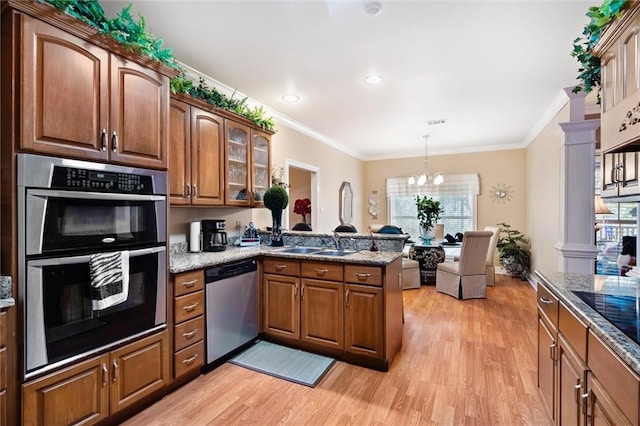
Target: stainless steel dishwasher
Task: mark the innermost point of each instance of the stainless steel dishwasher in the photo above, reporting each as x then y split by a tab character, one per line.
232	308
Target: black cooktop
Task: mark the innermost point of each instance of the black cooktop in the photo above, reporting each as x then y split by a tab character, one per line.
621	311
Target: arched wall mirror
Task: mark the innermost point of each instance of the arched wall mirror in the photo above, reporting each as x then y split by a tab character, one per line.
346	203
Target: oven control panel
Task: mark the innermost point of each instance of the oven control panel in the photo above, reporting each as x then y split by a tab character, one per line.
100	181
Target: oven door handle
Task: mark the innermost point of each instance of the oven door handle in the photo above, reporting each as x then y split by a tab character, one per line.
94	195
86	258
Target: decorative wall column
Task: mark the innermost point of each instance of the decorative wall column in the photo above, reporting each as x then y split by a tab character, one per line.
577	176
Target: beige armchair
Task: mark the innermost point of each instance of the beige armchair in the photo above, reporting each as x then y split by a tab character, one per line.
465	279
490	269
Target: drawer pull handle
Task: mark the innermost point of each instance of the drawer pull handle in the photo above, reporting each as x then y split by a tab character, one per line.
280	267
189	334
545	301
189	284
321	272
190	308
361	276
190	359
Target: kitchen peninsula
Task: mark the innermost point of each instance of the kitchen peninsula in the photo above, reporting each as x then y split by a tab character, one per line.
588	352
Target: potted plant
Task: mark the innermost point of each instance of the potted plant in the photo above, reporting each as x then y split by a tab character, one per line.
276	199
429	211
302	206
513	247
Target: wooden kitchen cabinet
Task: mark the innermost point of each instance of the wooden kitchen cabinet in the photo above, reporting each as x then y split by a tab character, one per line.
90	391
3	367
363	320
572	384
196	176
619	174
79	100
281	306
619	53
189	323
548	311
602	408
247	158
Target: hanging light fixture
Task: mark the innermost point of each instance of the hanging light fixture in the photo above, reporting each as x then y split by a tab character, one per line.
425	177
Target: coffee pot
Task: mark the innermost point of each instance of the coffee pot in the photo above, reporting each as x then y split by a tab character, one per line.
214	237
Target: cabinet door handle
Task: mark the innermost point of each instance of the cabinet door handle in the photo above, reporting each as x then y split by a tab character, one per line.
187	190
114	142
321	272
190	308
189	284
189	334
190	359
105	372
577	388
302	291
280	267
115	370
552	351
362	276
545	301
346	298
103	137
295	290
195	190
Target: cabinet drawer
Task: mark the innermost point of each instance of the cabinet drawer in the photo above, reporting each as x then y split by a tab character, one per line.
619	380
360	274
574	330
281	266
188	332
548	303
189	359
188	282
322	270
188	306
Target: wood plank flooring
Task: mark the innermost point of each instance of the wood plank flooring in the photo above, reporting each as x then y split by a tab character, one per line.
462	362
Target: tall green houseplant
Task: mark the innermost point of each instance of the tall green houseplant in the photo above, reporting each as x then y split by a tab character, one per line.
513	247
429	211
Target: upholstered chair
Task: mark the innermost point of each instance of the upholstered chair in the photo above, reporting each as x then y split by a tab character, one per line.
490	269
465	279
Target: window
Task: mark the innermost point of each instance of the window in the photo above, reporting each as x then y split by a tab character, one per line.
457	195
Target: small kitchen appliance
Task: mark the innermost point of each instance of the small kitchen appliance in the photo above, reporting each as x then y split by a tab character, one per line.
214	237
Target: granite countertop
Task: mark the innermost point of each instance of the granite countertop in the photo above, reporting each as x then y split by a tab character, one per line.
6	297
562	284
186	261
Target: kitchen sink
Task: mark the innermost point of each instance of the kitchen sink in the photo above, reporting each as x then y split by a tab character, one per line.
301	250
334	252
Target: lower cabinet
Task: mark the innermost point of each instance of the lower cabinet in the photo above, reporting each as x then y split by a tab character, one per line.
602	408
92	390
350	308
363	320
547	344
572	385
189	322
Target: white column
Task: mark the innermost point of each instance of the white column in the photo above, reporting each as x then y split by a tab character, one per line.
577	175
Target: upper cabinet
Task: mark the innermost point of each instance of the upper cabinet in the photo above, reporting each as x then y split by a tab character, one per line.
81	100
196	175
247	156
619	52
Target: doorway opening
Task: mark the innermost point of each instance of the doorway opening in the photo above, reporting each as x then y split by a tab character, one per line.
303	181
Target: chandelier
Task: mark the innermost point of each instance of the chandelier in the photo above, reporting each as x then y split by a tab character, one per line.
425	177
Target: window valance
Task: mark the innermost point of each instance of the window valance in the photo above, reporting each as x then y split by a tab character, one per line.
459	184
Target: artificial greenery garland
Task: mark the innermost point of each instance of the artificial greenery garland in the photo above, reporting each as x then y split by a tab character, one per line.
600	18
133	35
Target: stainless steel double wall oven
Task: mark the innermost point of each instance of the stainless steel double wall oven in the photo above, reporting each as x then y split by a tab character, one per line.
69	211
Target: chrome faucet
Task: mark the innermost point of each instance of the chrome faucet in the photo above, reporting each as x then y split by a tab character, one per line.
336	239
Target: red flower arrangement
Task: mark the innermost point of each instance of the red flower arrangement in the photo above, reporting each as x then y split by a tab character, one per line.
302	206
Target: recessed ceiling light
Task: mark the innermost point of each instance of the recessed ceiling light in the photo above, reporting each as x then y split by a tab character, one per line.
435	122
291	98
373	79
373	8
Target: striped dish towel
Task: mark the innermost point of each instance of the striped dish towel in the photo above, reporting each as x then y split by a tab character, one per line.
109	279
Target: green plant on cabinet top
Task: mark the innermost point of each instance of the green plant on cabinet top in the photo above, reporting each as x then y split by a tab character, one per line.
600	18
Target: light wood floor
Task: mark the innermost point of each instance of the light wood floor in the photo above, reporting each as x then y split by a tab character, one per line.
462	362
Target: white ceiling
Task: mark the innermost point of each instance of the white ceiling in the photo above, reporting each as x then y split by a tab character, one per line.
491	69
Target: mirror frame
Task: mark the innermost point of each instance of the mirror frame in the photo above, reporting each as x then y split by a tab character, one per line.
345	213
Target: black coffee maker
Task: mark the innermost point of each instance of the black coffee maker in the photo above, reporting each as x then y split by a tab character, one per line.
214	237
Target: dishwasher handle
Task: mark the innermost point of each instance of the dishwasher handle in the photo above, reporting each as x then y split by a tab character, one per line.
229	270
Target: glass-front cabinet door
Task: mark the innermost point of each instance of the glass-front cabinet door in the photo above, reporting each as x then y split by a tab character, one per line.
260	162
236	154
